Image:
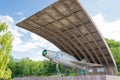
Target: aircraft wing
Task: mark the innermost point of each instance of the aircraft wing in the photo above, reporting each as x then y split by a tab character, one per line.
87	64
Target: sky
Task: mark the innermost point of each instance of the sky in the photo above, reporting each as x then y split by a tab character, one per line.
105	14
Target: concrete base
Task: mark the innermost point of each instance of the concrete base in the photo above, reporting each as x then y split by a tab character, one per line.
110	77
81	77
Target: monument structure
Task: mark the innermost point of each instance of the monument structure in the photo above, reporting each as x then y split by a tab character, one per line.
66	24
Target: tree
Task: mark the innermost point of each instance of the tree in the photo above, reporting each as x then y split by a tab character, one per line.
5	51
115	48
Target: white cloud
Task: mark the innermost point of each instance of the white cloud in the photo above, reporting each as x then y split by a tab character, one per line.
6	19
109	29
26	46
37	57
13	29
35	37
43	43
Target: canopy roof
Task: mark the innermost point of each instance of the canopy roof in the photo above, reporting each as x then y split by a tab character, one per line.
67	25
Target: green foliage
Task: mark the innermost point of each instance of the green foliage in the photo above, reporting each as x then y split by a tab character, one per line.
28	67
74	74
115	48
3	27
118	73
5	51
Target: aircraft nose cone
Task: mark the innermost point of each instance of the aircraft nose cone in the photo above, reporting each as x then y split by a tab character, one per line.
44	52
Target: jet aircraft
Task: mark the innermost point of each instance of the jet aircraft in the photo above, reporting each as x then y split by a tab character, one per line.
68	60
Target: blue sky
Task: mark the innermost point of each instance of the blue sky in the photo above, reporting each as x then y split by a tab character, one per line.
105	13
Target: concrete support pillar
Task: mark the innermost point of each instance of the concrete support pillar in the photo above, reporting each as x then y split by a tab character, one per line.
95	71
110	70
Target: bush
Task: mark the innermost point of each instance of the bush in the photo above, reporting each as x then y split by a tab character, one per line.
118	73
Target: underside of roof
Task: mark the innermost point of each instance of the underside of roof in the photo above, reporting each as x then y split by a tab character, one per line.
67	25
